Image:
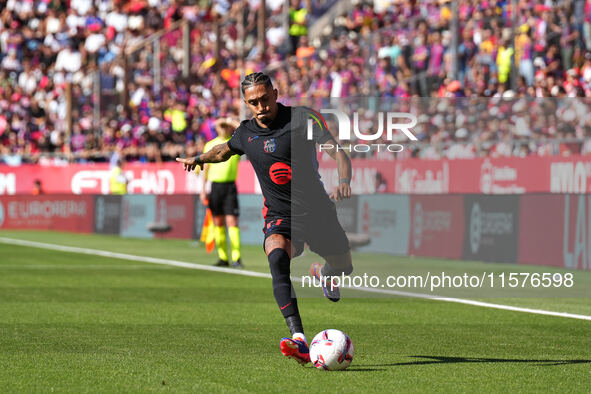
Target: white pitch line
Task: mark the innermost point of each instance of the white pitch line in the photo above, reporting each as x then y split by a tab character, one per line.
131	257
475	303
68	267
183	264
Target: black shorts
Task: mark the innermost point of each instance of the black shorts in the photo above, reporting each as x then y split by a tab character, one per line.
321	231
223	199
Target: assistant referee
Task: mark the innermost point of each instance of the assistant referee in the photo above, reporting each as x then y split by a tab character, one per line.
223	200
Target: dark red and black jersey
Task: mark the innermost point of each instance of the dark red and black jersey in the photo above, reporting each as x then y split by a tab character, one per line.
284	160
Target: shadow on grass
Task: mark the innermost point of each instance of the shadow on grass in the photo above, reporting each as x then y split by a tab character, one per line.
360	369
427	360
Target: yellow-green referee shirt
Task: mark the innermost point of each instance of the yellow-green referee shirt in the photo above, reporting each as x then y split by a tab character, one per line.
225	171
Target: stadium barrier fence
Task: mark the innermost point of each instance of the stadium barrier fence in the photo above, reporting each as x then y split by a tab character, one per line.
510	175
534	229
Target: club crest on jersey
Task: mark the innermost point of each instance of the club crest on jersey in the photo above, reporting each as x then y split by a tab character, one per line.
270	145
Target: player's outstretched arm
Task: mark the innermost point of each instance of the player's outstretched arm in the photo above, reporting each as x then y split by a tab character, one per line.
343	190
217	154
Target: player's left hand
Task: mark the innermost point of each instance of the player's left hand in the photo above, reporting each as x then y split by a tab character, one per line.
341	192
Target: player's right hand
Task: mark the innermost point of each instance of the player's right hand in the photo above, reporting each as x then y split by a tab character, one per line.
189	163
341	192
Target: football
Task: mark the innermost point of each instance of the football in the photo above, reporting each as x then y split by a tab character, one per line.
331	350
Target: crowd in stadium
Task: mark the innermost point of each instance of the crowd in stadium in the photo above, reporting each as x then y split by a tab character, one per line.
399	49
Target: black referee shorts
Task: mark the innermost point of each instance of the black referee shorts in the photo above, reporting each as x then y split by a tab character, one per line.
321	231
223	199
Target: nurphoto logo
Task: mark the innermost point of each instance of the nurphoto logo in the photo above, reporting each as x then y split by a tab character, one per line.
388	123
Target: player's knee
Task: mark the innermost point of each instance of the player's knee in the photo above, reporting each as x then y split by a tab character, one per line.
276	241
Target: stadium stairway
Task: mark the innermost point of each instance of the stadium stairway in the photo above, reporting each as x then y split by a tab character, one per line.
317	29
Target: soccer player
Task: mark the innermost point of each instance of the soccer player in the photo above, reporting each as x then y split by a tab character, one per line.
223	199
297	208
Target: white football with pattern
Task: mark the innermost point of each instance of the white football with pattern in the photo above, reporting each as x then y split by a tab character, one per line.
331	350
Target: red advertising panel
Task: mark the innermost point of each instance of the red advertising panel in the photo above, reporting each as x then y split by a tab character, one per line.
569	175
436	226
178	213
415	176
541	225
164	178
574	241
555	230
511	175
55	212
364	177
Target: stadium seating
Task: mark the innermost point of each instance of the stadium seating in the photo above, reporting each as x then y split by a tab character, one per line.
397	49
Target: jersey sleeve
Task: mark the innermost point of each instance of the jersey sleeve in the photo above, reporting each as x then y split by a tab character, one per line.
320	133
235	142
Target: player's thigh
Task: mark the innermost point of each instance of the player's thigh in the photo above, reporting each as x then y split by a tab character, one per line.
283	227
326	236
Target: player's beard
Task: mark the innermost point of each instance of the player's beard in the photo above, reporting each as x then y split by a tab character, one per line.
265	119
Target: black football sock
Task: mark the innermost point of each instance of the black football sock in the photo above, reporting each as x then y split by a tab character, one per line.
294	323
282	289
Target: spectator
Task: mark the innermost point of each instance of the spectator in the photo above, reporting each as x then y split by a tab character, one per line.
37	189
381	185
298	23
399	51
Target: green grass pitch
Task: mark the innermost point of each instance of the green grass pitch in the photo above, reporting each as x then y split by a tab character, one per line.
79	323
